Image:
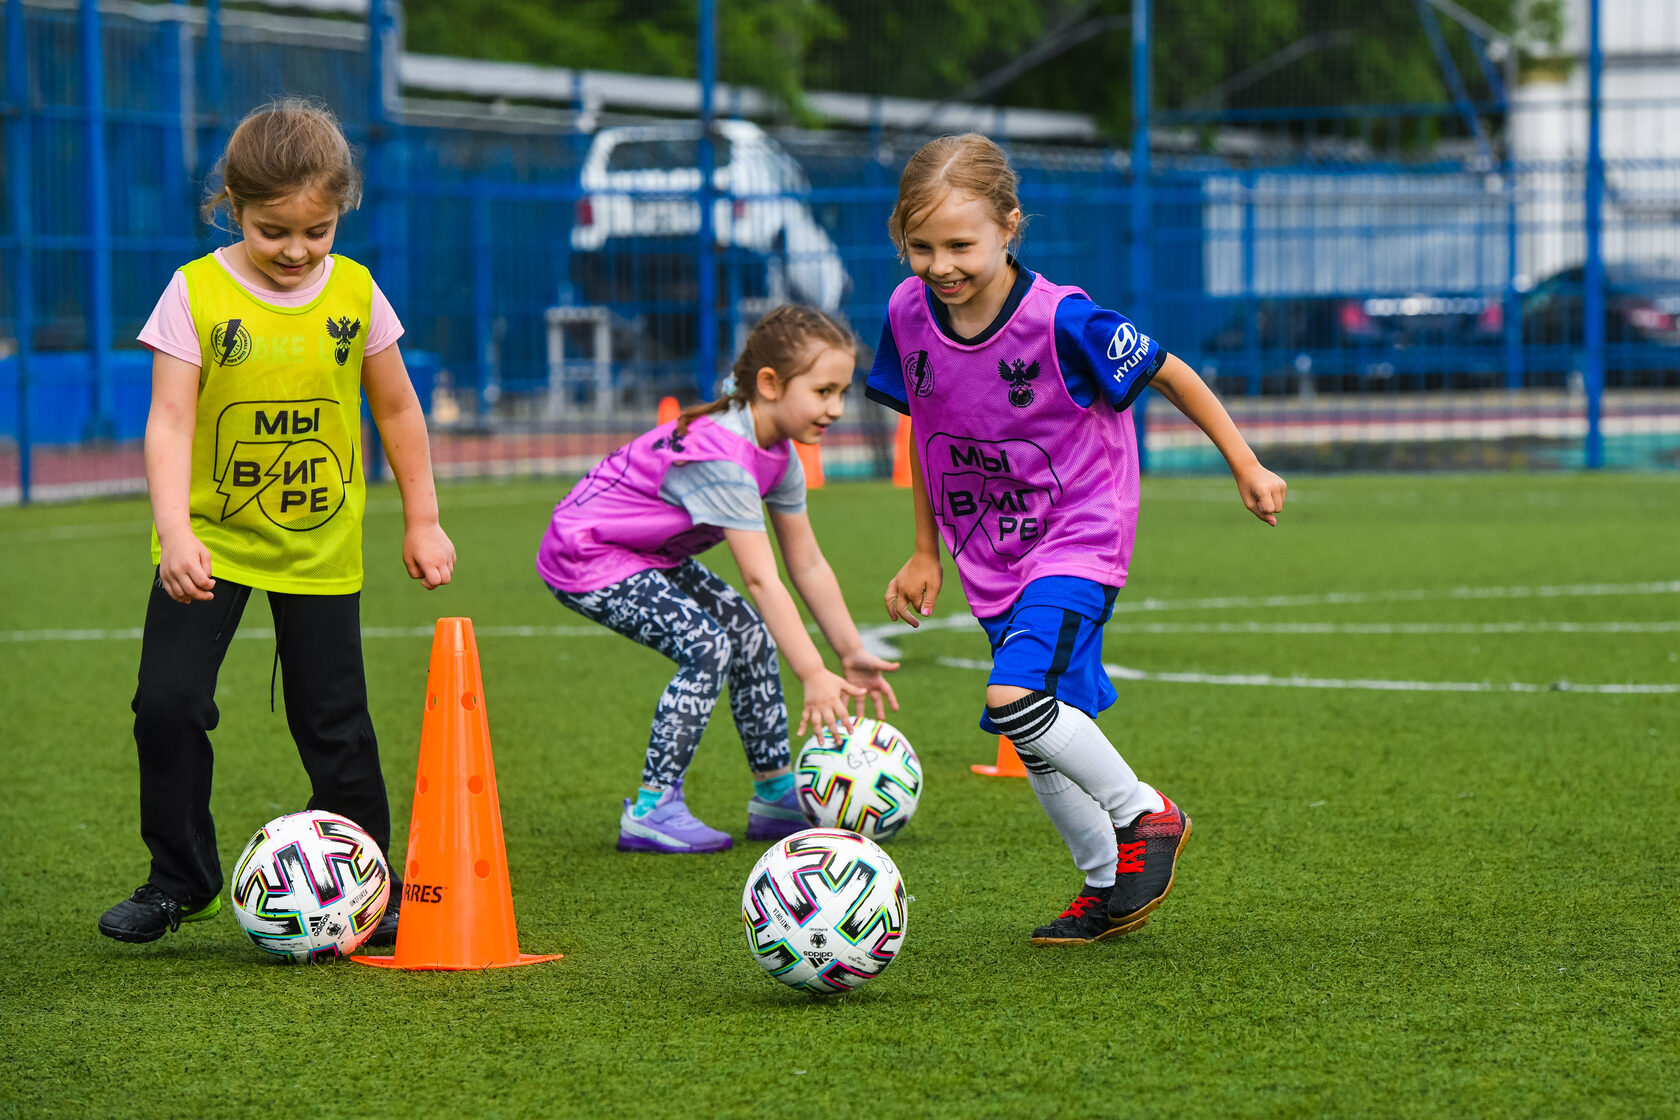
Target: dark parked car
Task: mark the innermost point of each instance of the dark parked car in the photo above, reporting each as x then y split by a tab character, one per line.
1451	341
1350	343
1641	325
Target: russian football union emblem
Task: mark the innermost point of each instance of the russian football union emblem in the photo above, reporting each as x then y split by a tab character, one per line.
1020	377
343	331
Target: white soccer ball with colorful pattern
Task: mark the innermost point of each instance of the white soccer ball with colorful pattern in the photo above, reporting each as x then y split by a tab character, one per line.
825	910
310	886
868	781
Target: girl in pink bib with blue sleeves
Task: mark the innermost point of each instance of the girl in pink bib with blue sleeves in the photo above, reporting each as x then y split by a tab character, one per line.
1024	462
620	550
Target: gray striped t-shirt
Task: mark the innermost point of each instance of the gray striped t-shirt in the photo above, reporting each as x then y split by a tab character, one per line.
725	494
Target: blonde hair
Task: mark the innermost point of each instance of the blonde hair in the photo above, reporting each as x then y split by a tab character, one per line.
786	340
281	148
970	162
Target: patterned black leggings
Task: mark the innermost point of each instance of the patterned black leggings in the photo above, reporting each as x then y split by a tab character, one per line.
713	634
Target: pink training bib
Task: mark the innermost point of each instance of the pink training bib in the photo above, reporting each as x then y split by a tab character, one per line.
614	524
1023	481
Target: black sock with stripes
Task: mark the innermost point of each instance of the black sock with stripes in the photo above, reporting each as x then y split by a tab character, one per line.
1052	735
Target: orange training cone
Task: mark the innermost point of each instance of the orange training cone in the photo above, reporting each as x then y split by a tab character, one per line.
1008	764
901	453
668	409
457	907
811	456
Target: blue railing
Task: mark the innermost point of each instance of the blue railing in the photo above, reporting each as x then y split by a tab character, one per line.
471	231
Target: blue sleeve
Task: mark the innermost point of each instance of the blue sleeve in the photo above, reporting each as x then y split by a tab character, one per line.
1101	351
886	376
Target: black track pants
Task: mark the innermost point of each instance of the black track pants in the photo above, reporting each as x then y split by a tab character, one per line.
319	642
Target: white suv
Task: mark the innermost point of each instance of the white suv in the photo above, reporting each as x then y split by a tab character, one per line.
637	216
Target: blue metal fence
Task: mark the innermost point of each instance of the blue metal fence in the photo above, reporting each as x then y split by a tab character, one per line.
1355	307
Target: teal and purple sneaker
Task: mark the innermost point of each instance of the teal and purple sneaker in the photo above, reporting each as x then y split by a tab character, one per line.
669	828
772	820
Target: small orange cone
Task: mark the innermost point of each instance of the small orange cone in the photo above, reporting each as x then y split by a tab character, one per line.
811	456
457	908
1009	763
901	453
668	409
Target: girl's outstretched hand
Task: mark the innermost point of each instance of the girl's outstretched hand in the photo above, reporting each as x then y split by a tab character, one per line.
184	570
914	589
826	695
428	554
1262	492
864	669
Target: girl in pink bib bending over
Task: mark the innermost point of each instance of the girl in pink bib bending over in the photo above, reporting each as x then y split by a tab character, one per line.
1024	461
621	551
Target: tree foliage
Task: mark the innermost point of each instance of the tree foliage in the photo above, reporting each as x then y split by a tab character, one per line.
762	43
1061	54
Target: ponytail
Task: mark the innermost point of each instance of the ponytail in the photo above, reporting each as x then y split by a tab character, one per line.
786	340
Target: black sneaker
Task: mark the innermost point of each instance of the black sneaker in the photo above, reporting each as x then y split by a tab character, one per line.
1147	858
1084	921
148	914
384	934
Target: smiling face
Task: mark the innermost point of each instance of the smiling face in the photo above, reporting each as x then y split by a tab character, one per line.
958	248
802	408
285	240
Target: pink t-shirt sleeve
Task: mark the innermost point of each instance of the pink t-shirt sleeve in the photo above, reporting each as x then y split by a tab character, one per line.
170	329
384	327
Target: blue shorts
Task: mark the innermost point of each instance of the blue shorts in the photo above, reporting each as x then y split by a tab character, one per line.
1050	640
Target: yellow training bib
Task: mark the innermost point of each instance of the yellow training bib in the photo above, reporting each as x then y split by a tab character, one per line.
277	489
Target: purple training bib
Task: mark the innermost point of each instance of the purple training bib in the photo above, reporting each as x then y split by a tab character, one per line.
1024	482
614	524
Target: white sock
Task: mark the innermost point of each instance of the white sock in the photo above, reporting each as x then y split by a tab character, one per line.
1071	742
1084	827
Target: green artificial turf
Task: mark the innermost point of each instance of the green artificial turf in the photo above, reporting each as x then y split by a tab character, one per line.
1397	902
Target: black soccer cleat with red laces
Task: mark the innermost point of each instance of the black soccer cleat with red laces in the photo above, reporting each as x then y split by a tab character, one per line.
1147	859
1084	921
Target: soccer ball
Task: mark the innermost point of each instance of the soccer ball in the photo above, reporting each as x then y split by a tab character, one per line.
868	781
310	886
825	910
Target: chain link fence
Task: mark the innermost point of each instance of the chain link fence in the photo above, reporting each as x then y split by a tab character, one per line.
1377	231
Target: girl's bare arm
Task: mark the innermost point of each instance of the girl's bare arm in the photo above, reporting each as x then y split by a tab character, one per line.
184	562
1262	491
428	553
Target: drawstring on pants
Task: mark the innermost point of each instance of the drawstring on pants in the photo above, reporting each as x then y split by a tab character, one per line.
274	672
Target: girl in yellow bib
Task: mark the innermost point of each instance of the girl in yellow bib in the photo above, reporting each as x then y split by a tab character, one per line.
261	353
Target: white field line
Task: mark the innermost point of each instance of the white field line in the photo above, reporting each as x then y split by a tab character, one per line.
142	528
1418	595
138	529
1399	628
1118	672
133	633
1266	680
1428	430
880	638
873	638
